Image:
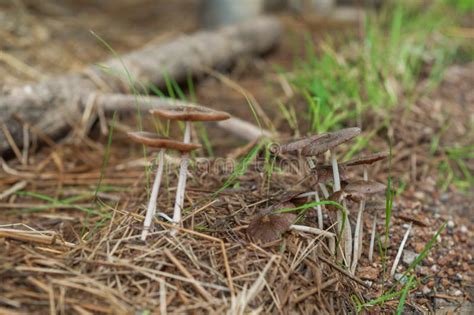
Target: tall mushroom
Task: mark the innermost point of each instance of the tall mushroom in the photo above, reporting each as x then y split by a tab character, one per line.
362	161
186	114
163	143
297	146
359	190
329	142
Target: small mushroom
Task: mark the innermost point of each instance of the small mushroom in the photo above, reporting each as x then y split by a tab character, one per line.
362	161
326	143
329	142
151	139
366	160
187	114
361	188
356	191
269	226
156	141
297	145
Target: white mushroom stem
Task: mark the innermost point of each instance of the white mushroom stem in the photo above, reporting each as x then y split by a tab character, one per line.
335	172
337	187
151	209
324	190
318	208
400	251
357	236
361	235
372	239
320	211
180	189
347	235
316	231
359	230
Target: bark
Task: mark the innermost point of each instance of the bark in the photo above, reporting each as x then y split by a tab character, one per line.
49	105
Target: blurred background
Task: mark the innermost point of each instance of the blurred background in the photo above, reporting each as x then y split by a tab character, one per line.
54	35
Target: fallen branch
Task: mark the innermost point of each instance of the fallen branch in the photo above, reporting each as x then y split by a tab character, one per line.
244	129
51	105
46	237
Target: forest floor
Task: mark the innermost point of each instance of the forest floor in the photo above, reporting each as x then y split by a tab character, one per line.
86	256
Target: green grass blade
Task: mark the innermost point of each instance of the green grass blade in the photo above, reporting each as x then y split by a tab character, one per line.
241	168
403	297
105	161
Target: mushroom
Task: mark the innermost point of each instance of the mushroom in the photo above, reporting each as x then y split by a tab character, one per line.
269	225
366	205
153	140
156	141
364	161
328	143
361	188
296	146
187	114
366	187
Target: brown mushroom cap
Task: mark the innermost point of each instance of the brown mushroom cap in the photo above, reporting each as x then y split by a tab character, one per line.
298	144
330	141
269	226
365	187
367	159
153	140
189	113
356	191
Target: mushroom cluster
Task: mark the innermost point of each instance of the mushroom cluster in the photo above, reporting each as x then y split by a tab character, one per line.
188	114
356	191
